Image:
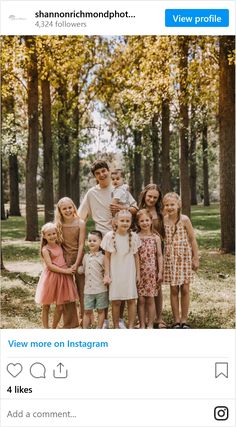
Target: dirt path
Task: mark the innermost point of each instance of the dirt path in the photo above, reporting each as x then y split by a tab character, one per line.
33	268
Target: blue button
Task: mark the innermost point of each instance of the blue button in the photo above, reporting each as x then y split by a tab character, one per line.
196	17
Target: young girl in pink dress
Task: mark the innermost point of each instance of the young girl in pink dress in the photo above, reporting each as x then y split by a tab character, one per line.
180	257
56	284
71	231
151	268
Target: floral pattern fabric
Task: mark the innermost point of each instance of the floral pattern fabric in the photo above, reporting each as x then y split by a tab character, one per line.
148	286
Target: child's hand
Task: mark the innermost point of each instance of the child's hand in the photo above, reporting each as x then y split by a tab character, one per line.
69	270
80	270
74	267
107	280
159	277
115	207
195	263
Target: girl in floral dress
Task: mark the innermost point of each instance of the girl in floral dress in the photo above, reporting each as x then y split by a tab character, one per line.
151	268
151	199
180	257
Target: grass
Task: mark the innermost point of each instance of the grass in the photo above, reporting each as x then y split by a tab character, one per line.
212	291
206	220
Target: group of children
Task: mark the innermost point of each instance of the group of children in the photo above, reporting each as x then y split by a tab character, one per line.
127	264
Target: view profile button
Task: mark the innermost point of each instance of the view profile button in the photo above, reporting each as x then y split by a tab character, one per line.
196	17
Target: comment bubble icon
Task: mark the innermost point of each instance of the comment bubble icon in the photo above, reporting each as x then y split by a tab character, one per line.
38	370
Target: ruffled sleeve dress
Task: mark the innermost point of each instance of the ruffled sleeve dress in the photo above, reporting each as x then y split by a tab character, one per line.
122	266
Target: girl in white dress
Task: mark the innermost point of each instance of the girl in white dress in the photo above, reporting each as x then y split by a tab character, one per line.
122	266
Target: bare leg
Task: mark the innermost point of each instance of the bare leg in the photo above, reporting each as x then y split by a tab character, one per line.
80	286
57	315
101	317
142	312
106	313
45	316
131	312
116	313
151	311
159	305
122	307
184	302
87	318
174	299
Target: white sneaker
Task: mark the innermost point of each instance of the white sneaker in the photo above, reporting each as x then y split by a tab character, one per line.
122	324
105	324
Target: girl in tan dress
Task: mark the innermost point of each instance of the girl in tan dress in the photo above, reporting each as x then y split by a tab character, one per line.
180	257
72	233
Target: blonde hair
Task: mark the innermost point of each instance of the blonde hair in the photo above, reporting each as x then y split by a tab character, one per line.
46	227
177	198
58	215
123	212
144	212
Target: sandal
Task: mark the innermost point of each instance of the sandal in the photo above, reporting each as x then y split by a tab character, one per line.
160	325
185	326
176	326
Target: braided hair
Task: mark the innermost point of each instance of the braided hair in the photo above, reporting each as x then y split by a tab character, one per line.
123	212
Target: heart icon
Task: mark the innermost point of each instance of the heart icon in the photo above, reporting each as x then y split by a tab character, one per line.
14	369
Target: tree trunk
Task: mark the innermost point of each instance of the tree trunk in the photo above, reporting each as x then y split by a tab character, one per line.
183	100
14	186
75	160
130	156
2	265
9	104
32	150
205	166
3	213
165	151
137	164
64	173
47	151
155	151
147	170
192	158
227	144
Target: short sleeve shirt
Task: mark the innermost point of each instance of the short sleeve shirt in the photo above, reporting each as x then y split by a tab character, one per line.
94	273
96	204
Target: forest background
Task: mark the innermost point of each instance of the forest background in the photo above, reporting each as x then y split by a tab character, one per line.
160	107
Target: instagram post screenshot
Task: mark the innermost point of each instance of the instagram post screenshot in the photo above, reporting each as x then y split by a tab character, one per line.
117	213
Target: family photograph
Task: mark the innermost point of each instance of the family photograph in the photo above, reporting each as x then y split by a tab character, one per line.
118	182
